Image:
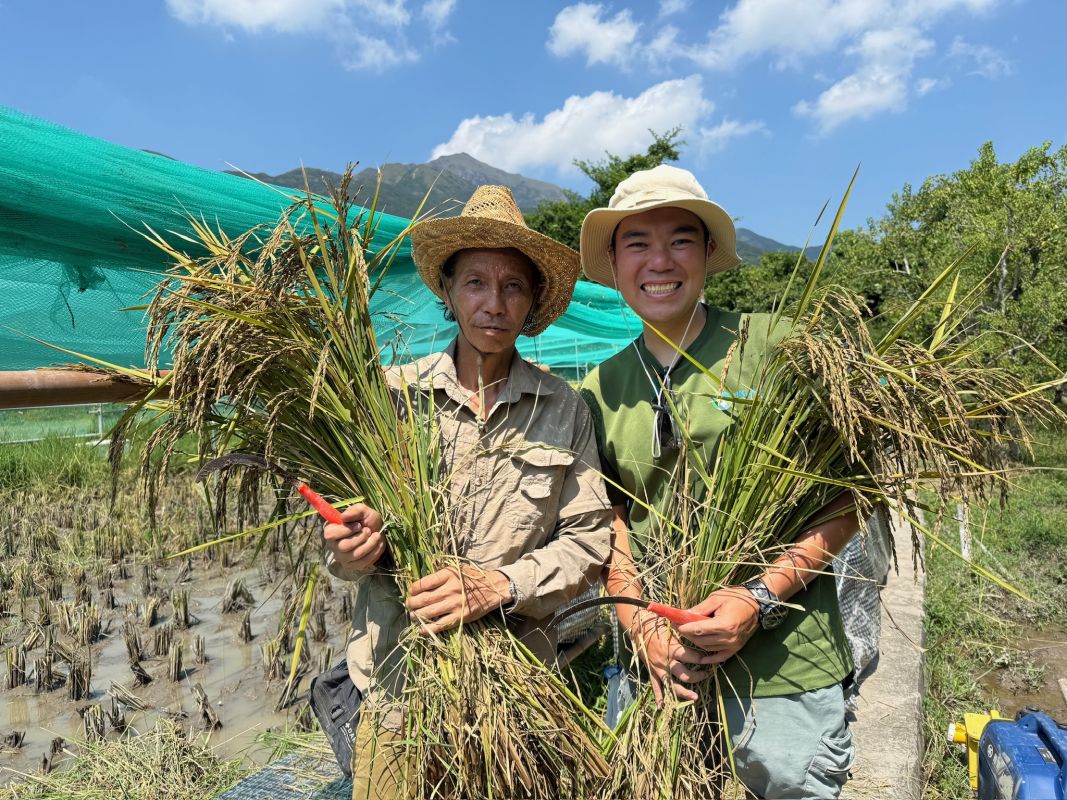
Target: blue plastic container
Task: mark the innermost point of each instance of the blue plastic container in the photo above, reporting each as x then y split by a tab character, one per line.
1023	759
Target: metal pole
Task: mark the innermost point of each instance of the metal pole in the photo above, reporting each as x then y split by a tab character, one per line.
59	387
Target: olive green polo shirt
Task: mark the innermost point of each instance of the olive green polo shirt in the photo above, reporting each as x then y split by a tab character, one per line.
807	651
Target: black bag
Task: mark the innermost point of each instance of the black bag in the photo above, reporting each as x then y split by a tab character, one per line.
335	701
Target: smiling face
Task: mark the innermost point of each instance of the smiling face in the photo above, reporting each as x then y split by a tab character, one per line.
660	260
491	292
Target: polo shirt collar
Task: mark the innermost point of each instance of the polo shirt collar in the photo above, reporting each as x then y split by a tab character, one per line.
711	325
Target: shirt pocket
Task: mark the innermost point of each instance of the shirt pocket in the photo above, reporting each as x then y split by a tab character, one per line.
540	472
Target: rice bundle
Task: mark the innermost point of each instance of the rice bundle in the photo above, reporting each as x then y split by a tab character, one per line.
274	353
833	410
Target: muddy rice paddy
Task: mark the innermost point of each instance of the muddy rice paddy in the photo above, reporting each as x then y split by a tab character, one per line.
1029	672
102	634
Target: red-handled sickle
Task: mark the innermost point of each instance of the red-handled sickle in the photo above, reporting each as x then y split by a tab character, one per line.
326	511
679	616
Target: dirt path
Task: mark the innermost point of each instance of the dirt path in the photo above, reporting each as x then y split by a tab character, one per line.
888	732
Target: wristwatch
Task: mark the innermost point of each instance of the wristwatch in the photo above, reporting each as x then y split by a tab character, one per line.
771	610
514	590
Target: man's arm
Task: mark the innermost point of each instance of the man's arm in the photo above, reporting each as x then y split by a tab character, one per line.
354	548
454	595
535	585
668	660
734	612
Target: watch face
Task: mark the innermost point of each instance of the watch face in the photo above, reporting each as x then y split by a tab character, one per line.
773	616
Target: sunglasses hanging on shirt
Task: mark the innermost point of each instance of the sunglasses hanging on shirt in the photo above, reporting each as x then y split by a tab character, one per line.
664	428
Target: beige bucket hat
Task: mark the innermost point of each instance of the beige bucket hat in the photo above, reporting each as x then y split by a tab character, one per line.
492	219
655	188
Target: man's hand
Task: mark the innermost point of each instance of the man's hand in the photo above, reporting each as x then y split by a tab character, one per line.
734	617
669	662
455	595
358	544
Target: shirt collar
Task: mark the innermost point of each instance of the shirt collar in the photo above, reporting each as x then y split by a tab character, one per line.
711	324
523	378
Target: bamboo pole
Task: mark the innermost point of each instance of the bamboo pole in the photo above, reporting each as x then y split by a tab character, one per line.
58	387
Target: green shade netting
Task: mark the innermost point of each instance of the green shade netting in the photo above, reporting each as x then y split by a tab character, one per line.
71	257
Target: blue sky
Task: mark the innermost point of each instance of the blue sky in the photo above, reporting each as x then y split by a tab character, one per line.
779	99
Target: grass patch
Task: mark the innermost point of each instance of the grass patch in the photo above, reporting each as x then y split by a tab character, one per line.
87	421
586	674
54	461
163	764
971	625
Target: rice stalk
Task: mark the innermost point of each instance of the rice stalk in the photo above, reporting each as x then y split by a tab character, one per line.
15	656
273	352
175	667
93	721
164	763
834	411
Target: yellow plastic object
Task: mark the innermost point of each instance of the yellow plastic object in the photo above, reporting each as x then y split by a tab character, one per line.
968	734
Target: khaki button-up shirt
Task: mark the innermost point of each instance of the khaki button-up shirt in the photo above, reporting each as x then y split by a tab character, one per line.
526	497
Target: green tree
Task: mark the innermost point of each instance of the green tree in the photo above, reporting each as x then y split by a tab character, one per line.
756	287
562	219
1007	221
1009	218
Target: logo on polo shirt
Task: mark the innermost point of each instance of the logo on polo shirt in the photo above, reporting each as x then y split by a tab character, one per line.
724	401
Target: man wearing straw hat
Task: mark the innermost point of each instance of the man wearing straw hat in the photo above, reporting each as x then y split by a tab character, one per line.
657	242
518	445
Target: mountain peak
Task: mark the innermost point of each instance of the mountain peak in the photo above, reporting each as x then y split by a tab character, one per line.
448	181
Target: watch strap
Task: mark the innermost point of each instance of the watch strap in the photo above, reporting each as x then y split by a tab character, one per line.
770	608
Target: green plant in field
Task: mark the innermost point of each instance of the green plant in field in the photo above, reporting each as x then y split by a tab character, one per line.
969	624
52	461
274	354
832	410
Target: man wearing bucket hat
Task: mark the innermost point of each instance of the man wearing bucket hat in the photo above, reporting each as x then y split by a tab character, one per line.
657	242
525	490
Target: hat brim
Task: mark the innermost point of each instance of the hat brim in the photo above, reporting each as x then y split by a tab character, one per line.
600	224
433	242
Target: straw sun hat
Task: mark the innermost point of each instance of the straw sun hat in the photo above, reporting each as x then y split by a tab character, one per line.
655	188
491	219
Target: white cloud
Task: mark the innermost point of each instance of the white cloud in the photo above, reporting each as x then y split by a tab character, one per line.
284	16
384	12
374	54
987	61
668	8
789	31
881	40
367	35
712	140
924	86
931	10
784	29
580	29
586	127
860	95
879	85
437	12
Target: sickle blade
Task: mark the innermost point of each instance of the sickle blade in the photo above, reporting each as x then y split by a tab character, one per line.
593	602
238	459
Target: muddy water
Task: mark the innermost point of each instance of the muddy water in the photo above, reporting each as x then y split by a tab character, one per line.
233	676
1015	687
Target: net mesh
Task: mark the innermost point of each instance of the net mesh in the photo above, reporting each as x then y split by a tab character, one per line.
72	260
